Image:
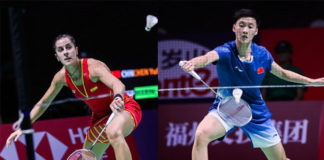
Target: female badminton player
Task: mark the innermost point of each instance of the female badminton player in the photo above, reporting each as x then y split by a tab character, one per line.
242	62
89	78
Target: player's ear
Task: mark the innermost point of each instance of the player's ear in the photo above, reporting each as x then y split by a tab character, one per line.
56	57
77	50
233	28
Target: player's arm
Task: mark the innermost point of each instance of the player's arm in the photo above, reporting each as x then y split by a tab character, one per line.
200	61
292	76
56	85
41	106
100	71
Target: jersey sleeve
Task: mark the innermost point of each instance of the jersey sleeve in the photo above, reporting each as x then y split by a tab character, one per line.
223	52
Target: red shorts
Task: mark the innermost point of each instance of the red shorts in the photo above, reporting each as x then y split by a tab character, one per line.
131	106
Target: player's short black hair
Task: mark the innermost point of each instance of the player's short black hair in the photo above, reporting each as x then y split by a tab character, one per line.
283	47
244	12
65	35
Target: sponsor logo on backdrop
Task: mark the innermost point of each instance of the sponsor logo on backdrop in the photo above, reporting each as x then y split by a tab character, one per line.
57	147
170	52
132	73
182	134
145	92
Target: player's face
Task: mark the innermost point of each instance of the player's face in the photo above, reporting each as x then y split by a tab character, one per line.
245	29
65	50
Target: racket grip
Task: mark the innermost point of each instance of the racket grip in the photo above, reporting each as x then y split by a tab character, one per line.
193	73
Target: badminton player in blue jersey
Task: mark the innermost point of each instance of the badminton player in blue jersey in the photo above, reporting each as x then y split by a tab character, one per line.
242	62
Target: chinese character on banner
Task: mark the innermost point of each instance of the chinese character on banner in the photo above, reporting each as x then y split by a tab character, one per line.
295	131
179	134
170	58
239	138
292	131
170	52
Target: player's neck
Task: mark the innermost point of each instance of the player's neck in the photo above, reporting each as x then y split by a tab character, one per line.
244	50
74	70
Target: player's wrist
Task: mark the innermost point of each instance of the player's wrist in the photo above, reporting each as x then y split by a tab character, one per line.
118	95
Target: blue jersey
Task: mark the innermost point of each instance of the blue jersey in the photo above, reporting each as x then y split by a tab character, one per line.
234	72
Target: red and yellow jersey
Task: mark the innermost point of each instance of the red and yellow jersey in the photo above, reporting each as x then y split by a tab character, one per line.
96	95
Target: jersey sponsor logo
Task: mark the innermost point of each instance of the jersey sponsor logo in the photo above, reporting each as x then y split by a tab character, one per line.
260	70
237	68
94	89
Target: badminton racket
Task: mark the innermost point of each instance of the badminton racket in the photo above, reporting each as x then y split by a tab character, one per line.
232	109
88	154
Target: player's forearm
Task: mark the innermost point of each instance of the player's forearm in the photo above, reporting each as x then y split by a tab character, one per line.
294	77
119	88
42	105
199	62
37	111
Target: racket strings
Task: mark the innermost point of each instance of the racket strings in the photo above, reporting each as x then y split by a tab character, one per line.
237	114
82	154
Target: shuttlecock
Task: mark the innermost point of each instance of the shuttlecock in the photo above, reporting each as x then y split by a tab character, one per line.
237	93
150	22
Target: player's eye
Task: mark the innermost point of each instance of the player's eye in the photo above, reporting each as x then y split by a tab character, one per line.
68	46
59	49
241	24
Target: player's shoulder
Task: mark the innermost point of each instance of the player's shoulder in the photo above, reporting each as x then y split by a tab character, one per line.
95	63
259	49
59	77
92	61
225	48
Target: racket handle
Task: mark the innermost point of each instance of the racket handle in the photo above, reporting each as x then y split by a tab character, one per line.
193	73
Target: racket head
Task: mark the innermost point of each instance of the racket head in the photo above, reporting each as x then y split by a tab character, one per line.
82	154
237	114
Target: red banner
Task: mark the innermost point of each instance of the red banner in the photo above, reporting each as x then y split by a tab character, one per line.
298	124
308	52
55	139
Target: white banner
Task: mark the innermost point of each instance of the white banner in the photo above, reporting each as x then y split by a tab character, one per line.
170	52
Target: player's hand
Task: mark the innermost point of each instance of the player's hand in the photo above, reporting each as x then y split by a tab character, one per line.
319	81
187	66
117	105
14	136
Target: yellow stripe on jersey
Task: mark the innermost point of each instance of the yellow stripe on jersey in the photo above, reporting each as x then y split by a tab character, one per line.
94	89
